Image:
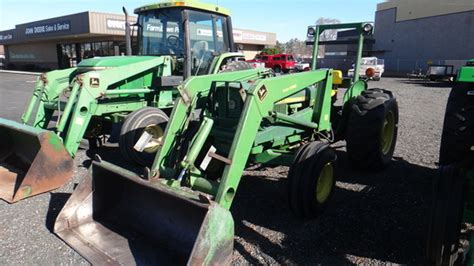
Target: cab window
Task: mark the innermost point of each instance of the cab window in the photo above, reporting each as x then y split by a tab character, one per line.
207	38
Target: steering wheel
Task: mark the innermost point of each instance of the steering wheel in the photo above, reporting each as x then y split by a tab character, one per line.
172	41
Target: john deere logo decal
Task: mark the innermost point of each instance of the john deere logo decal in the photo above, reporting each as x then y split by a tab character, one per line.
94	82
262	93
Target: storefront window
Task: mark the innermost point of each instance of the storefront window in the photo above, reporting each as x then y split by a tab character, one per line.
67	55
70	54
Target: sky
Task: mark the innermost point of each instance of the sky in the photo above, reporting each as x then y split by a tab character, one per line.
288	19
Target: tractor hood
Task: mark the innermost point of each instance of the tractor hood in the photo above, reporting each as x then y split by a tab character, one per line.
112	61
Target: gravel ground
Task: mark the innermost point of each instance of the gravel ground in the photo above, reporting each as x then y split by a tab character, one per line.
373	218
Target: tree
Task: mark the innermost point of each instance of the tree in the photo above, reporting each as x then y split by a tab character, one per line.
272	50
328	35
299	47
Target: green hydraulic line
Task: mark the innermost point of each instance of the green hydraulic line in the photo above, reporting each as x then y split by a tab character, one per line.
289	119
67	110
198	142
204	185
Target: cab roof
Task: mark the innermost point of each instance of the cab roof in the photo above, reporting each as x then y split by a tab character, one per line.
185	3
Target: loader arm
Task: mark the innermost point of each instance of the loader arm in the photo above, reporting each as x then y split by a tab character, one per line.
259	104
260	101
91	90
192	91
48	89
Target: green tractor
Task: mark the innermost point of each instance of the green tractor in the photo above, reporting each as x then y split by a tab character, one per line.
176	40
178	211
453	195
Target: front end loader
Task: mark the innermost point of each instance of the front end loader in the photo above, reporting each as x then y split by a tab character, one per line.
178	211
135	93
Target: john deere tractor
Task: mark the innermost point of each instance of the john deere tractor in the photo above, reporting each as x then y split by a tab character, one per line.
176	40
453	195
177	212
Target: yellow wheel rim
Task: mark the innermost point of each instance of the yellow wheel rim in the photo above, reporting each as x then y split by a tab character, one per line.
325	182
388	130
157	132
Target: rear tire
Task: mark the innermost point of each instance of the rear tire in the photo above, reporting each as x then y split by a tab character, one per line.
446	216
311	179
457	141
149	118
277	69
372	129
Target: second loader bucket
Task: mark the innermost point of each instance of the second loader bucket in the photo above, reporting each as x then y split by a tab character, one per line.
114	217
32	161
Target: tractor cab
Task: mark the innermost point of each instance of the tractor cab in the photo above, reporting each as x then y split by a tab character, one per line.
193	34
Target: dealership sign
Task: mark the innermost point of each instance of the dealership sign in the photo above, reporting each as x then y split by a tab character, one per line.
247	36
48	28
6	37
113	24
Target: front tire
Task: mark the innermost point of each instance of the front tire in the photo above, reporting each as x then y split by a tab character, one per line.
372	130
457	141
277	69
446	216
311	179
152	120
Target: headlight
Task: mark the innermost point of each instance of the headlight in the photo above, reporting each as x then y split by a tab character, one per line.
311	31
368	28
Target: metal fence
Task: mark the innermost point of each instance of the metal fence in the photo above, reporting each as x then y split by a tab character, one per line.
402	67
393	67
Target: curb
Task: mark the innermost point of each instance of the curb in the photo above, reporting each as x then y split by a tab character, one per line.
20	72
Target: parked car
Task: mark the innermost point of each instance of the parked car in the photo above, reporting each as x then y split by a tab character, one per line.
370	67
279	62
303	64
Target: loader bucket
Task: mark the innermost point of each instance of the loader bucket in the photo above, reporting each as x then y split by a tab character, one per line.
114	217
32	161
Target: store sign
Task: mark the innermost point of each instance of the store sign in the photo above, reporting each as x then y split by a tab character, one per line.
22	56
247	36
6	37
49	28
237	35
254	37
113	24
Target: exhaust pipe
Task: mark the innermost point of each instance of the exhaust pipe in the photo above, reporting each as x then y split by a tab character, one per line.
128	38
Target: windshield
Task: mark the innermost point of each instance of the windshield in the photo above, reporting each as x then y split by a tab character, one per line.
162	32
208	38
369	61
154	39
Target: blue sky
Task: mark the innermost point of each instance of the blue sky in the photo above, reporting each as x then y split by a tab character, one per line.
288	19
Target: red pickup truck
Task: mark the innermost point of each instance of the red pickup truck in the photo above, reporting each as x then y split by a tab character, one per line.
278	62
